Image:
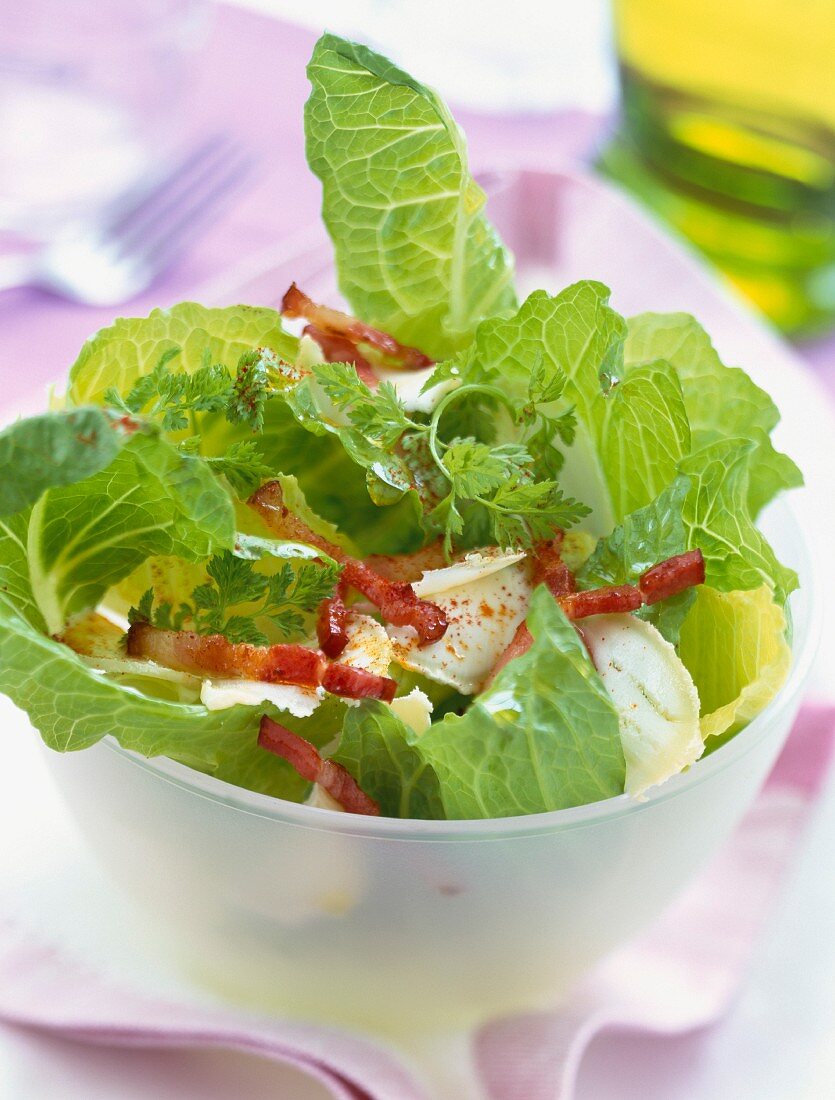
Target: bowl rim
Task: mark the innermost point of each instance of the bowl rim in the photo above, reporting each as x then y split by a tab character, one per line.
501	828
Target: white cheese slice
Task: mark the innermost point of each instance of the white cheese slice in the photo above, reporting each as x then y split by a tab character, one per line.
415	709
369	646
474	566
654	694
483	610
298	701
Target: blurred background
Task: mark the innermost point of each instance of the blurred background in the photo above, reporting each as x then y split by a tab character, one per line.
147	145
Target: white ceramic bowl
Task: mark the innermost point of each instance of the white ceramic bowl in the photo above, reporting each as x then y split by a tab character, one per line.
395	925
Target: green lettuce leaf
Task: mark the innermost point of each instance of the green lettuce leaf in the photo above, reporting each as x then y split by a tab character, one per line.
81	538
414	251
383	755
73	706
544	736
57	448
646	537
132	346
632	428
734	645
722	402
718	521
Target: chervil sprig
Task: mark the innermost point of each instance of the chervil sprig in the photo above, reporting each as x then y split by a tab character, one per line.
237	595
502	492
379	414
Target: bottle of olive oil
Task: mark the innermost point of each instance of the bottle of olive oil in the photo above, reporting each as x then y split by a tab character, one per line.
728	131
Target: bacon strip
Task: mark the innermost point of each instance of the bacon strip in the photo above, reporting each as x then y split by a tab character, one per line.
268	502
308	762
614	599
520	643
396	601
358	683
213	654
672	576
332	626
549	568
296	303
336	349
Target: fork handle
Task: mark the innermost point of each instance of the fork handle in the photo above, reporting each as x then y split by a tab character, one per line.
17	269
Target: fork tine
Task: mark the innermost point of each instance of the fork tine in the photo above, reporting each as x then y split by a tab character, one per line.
170	234
127	205
123	233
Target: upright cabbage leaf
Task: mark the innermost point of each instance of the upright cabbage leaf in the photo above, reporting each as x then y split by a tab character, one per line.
734	645
81	538
415	254
722	402
544	736
632	427
132	346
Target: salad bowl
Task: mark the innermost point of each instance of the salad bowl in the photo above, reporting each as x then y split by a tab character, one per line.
397	926
402	925
411	676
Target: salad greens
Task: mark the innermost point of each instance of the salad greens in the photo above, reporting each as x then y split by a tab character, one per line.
415	254
551	427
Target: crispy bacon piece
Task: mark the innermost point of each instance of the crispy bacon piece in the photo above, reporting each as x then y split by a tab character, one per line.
297	304
547	555
551	570
358	683
213	654
332	626
336	349
520	643
268	502
396	601
611	600
672	576
306	759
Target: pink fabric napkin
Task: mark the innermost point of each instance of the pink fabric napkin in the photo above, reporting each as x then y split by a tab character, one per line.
679	976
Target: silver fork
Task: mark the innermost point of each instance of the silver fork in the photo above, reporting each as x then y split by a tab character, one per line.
108	262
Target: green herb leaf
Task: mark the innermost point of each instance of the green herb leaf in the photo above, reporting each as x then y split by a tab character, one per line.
627	428
237	596
242	466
